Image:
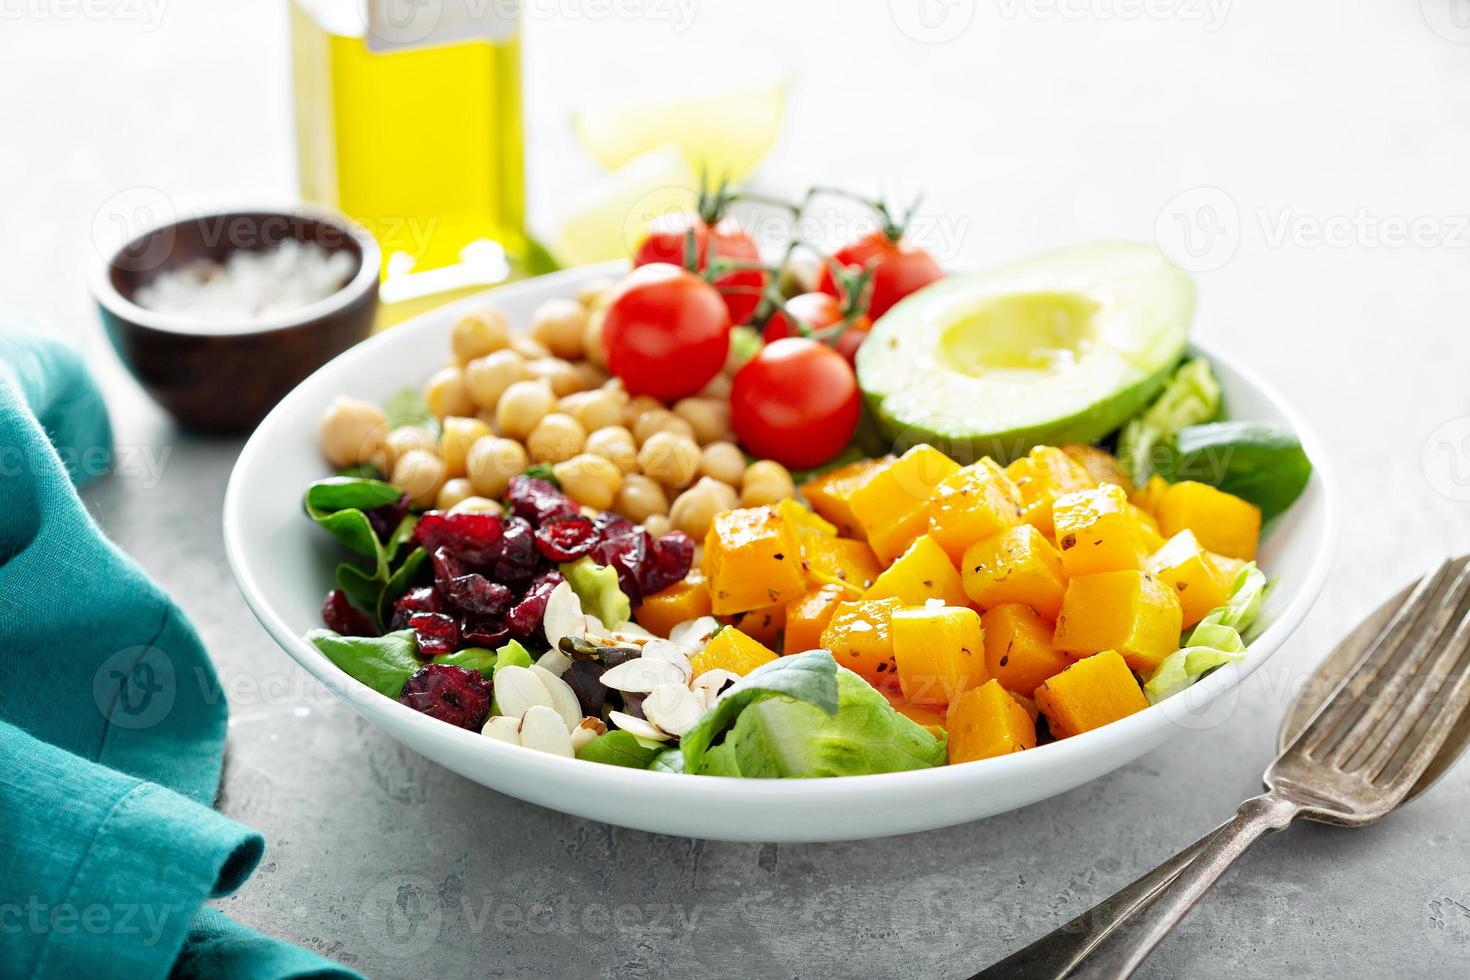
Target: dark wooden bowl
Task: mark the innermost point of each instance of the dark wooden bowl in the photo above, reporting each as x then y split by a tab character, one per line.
224	376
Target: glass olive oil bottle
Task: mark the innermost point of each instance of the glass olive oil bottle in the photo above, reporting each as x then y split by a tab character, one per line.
417	135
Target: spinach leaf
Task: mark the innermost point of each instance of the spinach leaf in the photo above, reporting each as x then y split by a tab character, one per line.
338	505
384	663
470	658
413	571
809	677
363	589
1262	462
620	748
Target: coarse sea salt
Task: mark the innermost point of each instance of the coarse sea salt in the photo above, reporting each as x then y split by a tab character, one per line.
249	285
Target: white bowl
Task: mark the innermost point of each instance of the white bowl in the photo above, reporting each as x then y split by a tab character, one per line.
284	567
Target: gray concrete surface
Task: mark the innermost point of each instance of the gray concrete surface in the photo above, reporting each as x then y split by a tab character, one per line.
1324	128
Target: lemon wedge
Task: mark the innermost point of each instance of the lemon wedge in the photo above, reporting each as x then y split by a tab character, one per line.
609	217
723	136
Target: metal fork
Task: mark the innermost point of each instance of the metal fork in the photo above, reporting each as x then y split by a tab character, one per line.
1353	762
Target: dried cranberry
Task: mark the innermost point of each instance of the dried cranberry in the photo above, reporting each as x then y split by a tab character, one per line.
422	599
474	538
525	616
518	559
585	679
475	594
489	633
385	519
437	634
538	501
668	562
610	525
626	554
566	538
446	566
341	617
453	694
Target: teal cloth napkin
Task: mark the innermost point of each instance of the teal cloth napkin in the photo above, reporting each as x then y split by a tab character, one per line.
110	747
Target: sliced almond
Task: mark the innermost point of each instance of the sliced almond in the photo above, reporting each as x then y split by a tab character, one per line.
503	729
672	652
563	698
589	729
554	661
693	634
673	708
542	729
641	675
714	681
636	726
518	688
563	615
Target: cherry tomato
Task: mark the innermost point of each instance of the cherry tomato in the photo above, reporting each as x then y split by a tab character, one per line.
741	288
795	402
818	311
666	332
898	269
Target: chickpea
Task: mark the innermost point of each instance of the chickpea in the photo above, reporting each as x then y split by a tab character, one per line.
487	377
766	482
561	375
523	405
719	387
592	376
556	437
724	461
590	480
660	420
669	458
477	505
658	525
491	463
455	441
638	405
420	474
594	293
614	443
560	324
592	337
352	431
400	441
453	493
709	418
477	334
641	498
594	409
696	507
529	347
446	394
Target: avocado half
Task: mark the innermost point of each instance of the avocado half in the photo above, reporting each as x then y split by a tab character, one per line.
1061	347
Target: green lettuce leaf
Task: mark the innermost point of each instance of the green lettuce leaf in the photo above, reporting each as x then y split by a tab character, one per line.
809	677
1191	396
407	407
1216	640
620	748
597	588
384	663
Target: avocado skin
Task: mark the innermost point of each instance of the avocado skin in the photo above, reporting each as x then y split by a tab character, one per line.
1088	426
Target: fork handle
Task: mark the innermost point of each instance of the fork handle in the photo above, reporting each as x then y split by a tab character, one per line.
1130	944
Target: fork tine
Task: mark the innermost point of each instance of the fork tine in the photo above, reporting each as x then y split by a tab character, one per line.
1448	670
1400	680
1335	706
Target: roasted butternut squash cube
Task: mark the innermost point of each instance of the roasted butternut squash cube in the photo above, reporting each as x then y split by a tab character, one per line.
808	616
1147	497
1018	648
1221	521
939	650
679	603
829	493
731	650
892	508
921	573
1028	704
1130	612
1089	694
1042	476
1230	566
765	626
931	716
804	519
1148	527
860	638
1097	531
972	504
752	559
841	561
1016	565
985	722
1187	568
1100	464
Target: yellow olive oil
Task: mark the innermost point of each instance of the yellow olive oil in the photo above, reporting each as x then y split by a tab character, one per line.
423	145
